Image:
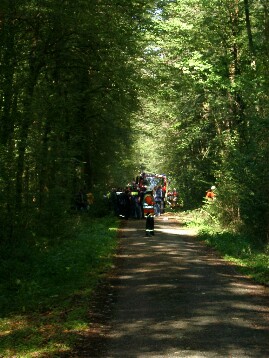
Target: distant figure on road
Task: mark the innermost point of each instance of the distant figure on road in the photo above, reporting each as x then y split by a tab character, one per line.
175	198
158	200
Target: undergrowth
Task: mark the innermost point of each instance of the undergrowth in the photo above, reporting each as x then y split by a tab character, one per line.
46	286
247	251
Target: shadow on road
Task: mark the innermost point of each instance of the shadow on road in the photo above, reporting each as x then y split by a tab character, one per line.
173	297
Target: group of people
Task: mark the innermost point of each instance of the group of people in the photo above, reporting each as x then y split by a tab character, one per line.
126	202
136	202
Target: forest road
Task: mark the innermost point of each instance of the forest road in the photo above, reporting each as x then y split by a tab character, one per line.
171	296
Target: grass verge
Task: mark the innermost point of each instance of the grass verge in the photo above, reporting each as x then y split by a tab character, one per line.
46	287
251	256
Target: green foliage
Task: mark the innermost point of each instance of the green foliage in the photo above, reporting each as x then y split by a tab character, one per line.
34	273
46	286
247	251
174	87
250	256
213	84
67	93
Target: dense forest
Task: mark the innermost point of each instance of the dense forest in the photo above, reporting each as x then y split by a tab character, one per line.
94	92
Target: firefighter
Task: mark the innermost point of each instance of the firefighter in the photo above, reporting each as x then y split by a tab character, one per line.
135	204
148	203
149	225
124	204
210	194
148	208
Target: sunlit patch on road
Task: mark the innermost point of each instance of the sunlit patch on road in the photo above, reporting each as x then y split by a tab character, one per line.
174	231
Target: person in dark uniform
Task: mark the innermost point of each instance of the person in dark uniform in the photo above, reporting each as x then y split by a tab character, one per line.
149	224
124	204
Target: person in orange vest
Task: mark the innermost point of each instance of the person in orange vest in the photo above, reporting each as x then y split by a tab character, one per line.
210	195
148	208
148	203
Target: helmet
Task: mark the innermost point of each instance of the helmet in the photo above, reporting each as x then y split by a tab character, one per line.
213	187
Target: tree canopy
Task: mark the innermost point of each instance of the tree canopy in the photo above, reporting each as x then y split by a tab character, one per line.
93	92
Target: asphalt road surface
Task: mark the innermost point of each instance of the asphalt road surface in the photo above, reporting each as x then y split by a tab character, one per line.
171	296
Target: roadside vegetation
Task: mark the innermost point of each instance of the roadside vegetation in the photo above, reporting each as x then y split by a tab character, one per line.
46	287
247	251
174	87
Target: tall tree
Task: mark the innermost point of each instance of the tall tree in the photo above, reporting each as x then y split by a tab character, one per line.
69	88
211	79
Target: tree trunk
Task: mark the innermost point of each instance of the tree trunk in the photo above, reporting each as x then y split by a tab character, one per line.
23	134
8	68
266	29
248	27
